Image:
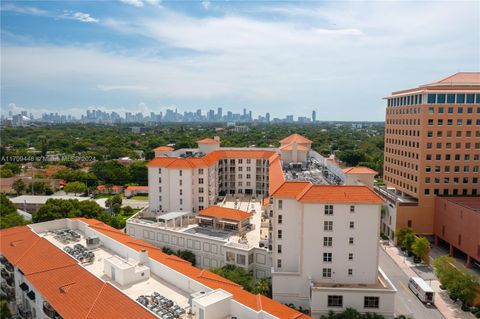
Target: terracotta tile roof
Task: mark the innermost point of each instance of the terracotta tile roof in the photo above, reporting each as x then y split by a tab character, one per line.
224	213
205	277
208	141
289	147
275	175
113	188
290	189
338	194
296	138
461	77
359	170
163	148
210	159
71	290
137	188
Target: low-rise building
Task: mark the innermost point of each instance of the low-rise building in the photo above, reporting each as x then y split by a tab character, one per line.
457	222
82	268
136	190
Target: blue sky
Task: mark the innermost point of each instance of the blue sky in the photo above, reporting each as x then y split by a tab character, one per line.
337	57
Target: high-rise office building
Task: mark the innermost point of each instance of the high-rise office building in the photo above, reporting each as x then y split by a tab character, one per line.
432	148
314	116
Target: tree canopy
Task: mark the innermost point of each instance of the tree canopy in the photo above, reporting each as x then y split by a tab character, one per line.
8	214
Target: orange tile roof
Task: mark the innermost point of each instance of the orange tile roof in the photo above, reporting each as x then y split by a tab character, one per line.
208	141
210	159
338	194
205	277
113	188
290	189
296	138
289	147
137	188
71	290
461	77
359	170
224	213
163	148
275	175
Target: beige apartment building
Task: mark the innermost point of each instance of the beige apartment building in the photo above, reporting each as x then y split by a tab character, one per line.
432	148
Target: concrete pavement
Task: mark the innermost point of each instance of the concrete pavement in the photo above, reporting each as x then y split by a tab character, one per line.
444	306
406	303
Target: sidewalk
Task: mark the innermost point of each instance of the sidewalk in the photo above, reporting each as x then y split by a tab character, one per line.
443	303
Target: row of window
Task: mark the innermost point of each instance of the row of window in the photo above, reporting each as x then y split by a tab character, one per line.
446	169
451	110
448	145
455	191
435	98
410	122
327	209
371	302
446	180
400	183
439	133
450	122
456	157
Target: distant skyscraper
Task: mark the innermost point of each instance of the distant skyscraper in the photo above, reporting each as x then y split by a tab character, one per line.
267	116
314	116
220	113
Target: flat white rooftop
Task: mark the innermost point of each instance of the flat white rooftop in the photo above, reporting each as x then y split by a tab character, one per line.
232	239
146	287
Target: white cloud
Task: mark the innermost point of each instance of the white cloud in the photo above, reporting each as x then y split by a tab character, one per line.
23	9
206	4
84	17
342	61
153	2
135	3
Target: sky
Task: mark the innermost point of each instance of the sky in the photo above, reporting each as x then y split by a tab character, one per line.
339	58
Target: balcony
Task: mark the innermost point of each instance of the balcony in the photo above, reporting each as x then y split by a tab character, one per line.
23	312
8	290
393	197
6	275
49	311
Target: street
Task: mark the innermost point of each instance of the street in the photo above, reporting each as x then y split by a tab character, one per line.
406	303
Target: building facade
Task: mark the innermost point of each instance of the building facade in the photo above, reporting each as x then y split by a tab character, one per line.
126	278
325	249
432	148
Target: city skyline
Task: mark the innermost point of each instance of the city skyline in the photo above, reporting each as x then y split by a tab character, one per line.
152	55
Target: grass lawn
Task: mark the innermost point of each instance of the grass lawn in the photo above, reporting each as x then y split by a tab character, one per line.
139	197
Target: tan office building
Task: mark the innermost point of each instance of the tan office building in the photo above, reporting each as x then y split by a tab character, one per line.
432	147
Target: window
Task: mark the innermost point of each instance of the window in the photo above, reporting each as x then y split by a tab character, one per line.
450	110
327	272
180	192
279	249
181	201
159	171
241	259
327	257
200	190
470	98
200	171
371	302
350	271
180	182
441	98
180	172
280	219
328	209
350	240
460	98
328	225
430	111
335	301
450	98
350	256
352	225
280	204
431	99
200	181
279	234
279	263
352	209
327	241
